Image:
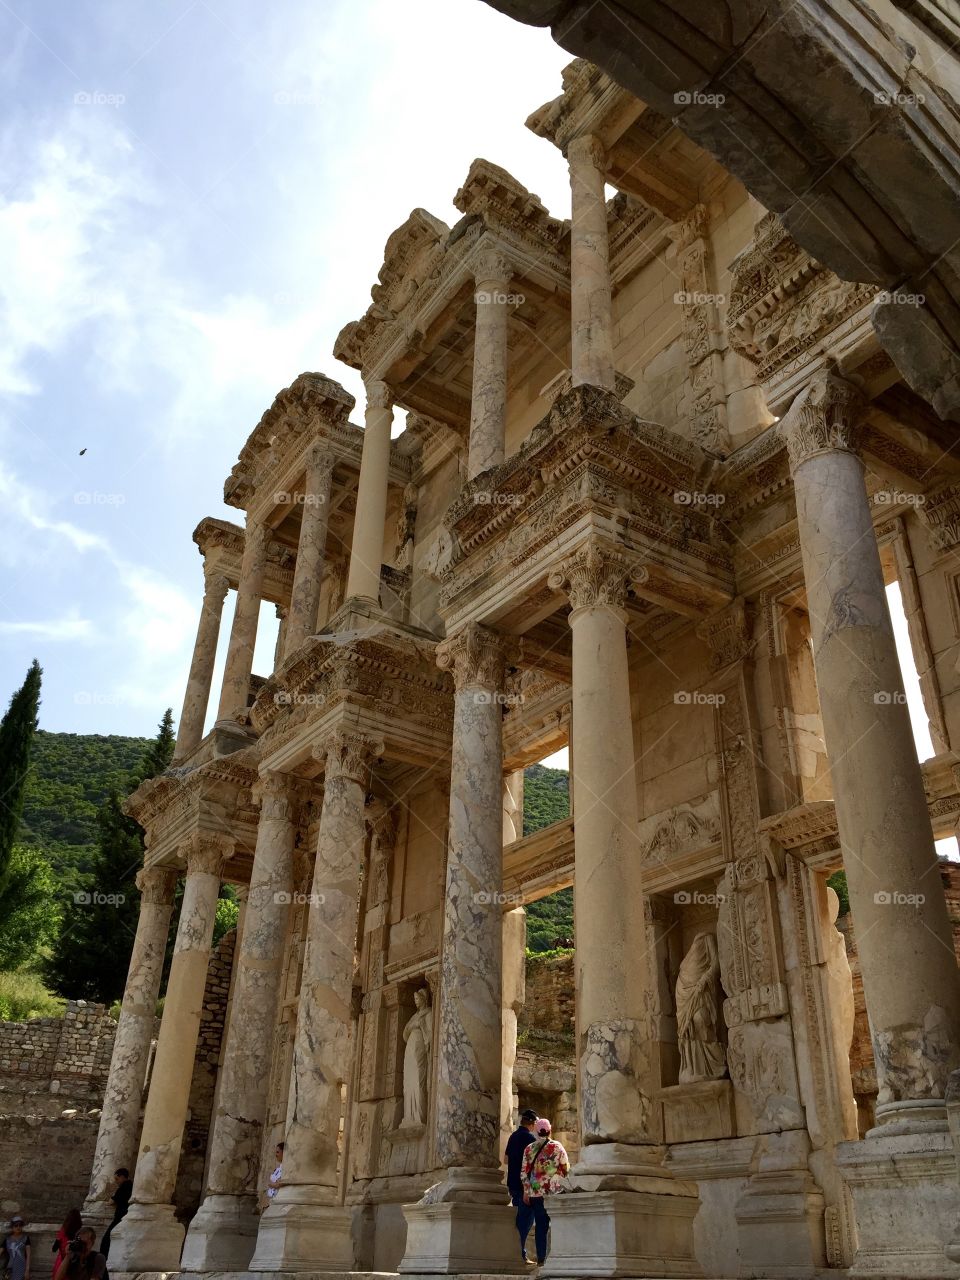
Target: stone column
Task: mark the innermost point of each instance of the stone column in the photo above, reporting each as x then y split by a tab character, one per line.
488	405
591	307
903	932
120	1116
307	1227
311	549
464	1223
150	1237
243	634
223	1234
513	806
283	612
366	552
514	988
617	1070
197	696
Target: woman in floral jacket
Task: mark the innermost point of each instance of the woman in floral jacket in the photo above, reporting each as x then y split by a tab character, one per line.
543	1173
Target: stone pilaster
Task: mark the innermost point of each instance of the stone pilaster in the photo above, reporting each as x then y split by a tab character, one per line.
243	634
903	933
311	550
307	1227
514	988
197	696
488	405
120	1116
223	1233
591	307
150	1238
366	552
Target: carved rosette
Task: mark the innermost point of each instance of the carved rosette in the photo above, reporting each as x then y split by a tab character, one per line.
157	885
348	755
476	655
592	577
823	419
379	395
205	853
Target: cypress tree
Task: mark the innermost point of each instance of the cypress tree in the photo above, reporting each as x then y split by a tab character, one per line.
16	738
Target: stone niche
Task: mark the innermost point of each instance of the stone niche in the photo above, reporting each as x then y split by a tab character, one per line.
404	1148
696	1095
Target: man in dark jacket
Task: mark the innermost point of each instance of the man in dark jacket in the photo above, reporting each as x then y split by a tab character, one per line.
517	1143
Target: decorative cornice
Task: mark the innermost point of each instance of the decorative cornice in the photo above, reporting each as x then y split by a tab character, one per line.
476	655
822	419
157	885
592	577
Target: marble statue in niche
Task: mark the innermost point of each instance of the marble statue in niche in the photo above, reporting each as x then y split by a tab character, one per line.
418	1038
702	1056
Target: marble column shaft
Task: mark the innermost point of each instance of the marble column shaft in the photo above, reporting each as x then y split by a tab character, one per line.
366	552
614	1040
488	404
591	306
120	1116
243	634
323	1049
470	1004
238	1124
904	936
166	1110
197	696
311	550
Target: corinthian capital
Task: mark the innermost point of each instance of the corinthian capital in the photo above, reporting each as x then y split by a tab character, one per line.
379	395
593	576
492	267
587	150
348	755
822	419
215	588
157	885
474	656
206	852
276	794
320	463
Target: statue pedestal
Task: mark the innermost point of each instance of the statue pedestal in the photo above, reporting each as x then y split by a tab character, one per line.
696	1112
405	1149
463	1225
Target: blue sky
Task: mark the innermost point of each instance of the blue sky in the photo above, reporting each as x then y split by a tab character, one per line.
195	198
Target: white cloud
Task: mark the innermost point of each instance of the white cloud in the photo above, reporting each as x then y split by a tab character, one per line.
67	628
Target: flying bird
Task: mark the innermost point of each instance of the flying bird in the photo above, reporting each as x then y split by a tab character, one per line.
82	452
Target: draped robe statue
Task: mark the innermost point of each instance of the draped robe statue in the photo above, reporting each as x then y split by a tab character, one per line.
418	1038
702	1056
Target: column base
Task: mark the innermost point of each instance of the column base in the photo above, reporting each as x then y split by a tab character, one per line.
97	1214
623	1233
222	1235
148	1239
463	1225
906	1199
298	1236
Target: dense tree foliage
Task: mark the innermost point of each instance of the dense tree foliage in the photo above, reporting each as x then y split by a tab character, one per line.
30	910
546	799
17	730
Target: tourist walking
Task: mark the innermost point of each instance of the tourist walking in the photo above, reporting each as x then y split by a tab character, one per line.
71	1225
16	1251
517	1143
544	1173
121	1203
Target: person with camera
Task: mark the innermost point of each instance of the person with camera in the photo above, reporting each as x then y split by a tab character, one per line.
82	1262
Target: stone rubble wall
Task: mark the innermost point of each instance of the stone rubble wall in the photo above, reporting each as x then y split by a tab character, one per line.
68	1053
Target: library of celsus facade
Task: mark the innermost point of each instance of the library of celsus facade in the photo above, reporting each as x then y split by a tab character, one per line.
632	480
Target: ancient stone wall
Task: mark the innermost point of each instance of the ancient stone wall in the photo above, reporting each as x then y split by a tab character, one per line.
68	1053
203	1087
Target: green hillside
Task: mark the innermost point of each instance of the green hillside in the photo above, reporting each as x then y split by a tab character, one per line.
546	799
71	774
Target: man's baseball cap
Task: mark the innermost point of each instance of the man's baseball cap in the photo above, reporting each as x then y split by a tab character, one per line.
528	1116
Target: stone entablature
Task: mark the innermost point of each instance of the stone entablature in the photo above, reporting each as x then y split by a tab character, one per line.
220	542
